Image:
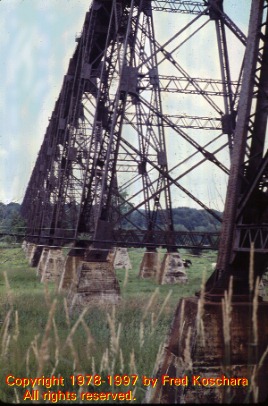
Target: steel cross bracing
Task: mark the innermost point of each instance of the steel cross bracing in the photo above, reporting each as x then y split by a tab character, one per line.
133	238
174	84
135	124
245	217
66	147
177	6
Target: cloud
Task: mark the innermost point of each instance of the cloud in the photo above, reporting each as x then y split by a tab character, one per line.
34	57
3	152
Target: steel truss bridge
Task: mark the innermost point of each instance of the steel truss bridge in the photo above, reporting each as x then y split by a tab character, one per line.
146	118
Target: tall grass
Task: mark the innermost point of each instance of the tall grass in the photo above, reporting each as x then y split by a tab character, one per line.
198	340
39	338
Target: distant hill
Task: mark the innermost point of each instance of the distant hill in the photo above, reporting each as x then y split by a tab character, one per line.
185	218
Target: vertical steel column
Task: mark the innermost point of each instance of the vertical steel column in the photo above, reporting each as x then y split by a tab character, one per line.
237	181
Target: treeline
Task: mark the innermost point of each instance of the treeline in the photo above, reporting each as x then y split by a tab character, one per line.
189	219
10	218
185	219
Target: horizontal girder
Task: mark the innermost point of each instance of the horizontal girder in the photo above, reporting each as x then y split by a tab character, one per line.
178	6
185	121
141	238
252	234
182	84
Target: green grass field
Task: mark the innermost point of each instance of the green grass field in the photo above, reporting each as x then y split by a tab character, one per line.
39	338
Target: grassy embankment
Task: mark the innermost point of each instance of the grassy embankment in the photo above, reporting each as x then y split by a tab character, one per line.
39	338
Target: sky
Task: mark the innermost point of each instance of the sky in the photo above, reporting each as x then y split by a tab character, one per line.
37	39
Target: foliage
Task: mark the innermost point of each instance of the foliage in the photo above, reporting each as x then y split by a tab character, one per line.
10	218
185	219
107	340
11	222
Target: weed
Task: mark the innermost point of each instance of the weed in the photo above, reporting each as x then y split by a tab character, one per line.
39	338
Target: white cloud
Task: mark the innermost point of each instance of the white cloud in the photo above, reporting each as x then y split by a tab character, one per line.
3	152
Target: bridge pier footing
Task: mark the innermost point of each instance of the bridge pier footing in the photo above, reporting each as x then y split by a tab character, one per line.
36	255
95	281
42	262
24	245
51	264
69	273
33	252
29	251
121	258
172	269
149	267
205	345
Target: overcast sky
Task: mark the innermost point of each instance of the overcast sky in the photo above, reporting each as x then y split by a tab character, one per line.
37	39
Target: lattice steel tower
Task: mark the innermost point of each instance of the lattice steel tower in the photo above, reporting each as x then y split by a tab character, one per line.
138	119
225	331
245	215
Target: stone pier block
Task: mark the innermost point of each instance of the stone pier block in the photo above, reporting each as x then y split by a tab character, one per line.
121	259
54	264
42	262
24	245
111	255
69	273
31	253
149	267
96	283
35	256
172	269
30	248
200	355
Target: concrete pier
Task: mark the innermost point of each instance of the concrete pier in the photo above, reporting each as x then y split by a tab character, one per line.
24	245
53	265
215	359
121	258
29	250
69	273
149	267
35	255
172	269
111	255
95	282
42	262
